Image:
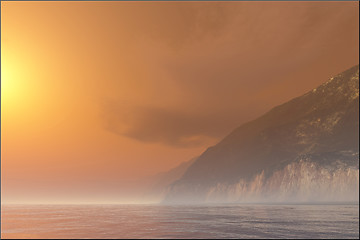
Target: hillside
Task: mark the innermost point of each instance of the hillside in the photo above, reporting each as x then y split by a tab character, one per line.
310	142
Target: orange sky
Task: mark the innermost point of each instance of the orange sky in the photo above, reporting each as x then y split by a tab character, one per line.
95	95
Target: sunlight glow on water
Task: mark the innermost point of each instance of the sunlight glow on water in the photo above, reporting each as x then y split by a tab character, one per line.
181	221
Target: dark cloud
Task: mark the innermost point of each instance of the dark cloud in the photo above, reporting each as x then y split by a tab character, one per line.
171	127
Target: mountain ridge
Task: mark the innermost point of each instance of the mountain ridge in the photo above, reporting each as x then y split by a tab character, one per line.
321	124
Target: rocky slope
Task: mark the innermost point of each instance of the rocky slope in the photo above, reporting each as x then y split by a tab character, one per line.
304	150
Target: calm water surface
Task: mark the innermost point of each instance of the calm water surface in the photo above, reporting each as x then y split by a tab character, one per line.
202	221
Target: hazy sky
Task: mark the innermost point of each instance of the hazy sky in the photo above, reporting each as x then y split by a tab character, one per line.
96	95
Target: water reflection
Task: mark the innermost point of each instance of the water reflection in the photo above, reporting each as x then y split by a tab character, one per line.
181	221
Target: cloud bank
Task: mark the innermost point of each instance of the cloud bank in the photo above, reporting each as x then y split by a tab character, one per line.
202	69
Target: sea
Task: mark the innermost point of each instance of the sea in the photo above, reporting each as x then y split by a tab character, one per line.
316	221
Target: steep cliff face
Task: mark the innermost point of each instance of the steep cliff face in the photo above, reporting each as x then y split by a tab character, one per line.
279	155
301	181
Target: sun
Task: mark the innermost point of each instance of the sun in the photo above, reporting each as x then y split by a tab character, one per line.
5	78
9	80
15	101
